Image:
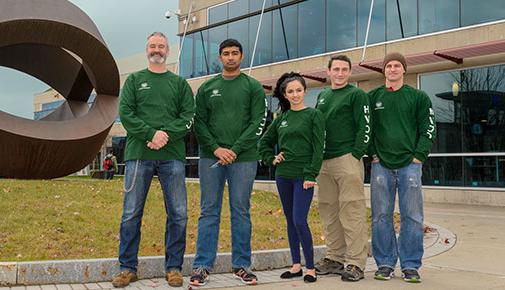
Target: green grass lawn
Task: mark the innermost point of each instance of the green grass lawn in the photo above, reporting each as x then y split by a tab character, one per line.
76	218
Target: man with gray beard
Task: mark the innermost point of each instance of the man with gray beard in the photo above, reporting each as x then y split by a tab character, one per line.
156	109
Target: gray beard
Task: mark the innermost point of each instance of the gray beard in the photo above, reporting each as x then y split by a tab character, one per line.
156	59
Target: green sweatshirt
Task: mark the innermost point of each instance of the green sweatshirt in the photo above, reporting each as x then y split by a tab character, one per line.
230	114
347	115
156	101
404	126
300	135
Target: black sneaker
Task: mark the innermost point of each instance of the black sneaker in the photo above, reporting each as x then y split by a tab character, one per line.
384	273
411	276
200	277
245	276
352	273
328	266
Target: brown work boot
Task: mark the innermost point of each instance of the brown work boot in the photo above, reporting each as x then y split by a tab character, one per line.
174	278
124	278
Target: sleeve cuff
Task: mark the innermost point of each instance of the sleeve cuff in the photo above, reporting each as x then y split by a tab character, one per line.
213	147
357	155
419	156
150	134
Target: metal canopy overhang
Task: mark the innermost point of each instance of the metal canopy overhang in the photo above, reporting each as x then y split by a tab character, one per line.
456	55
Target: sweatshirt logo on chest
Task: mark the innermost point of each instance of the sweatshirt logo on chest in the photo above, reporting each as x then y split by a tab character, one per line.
284	124
321	101
215	93
144	86
379	106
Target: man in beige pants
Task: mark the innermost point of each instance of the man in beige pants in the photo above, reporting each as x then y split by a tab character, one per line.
341	194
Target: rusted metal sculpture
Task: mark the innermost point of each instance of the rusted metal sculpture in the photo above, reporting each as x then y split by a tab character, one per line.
56	42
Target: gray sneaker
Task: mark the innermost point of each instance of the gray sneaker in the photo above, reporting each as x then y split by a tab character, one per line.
327	266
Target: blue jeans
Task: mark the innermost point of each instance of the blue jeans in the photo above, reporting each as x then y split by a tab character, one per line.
240	177
296	205
409	247
138	177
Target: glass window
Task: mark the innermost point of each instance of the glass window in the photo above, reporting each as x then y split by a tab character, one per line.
311	30
290	32
216	36
340	24
473	12
472	118
436	15
186	64
201	58
238	30
218	14
378	24
408	12
238	8
255	5
439	87
263	53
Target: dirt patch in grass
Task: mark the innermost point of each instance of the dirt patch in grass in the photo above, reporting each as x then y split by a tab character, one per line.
76	218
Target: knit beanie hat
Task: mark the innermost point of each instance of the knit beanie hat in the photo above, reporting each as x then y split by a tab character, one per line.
394	56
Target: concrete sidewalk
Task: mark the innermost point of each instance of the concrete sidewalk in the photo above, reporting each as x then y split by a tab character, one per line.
477	260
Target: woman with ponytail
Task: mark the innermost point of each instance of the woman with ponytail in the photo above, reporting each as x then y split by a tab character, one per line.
298	134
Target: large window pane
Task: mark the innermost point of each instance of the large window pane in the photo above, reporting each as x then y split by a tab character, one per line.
378	24
290	32
201	57
238	30
408	12
216	36
311	30
473	12
436	15
186	64
238	8
484	171
447	112
255	5
472	118
263	53
218	14
340	24
482	100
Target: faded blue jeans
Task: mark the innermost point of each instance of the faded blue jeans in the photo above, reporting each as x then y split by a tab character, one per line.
384	183
240	177
138	177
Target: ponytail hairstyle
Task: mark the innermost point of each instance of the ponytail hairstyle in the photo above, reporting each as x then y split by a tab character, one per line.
280	88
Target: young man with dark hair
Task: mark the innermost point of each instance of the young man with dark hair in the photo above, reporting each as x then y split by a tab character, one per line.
341	196
404	131
230	116
154	145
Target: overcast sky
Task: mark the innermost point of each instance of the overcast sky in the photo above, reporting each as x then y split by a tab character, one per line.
124	24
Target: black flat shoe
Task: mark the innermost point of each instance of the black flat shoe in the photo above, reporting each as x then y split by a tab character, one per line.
289	274
309	278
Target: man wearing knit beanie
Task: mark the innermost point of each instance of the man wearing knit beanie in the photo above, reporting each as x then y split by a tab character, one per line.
394	56
403	132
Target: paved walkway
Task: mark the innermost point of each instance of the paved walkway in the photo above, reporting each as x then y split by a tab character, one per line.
476	262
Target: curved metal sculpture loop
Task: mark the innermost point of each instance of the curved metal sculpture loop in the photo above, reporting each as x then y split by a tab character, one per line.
56	42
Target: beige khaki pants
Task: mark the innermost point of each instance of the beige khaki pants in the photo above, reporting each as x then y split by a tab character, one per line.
342	209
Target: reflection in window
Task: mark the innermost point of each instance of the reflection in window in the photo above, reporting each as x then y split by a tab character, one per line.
435	15
216	36
408	12
474	12
311	29
186	64
341	30
200	57
263	53
471	119
378	23
218	14
290	20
